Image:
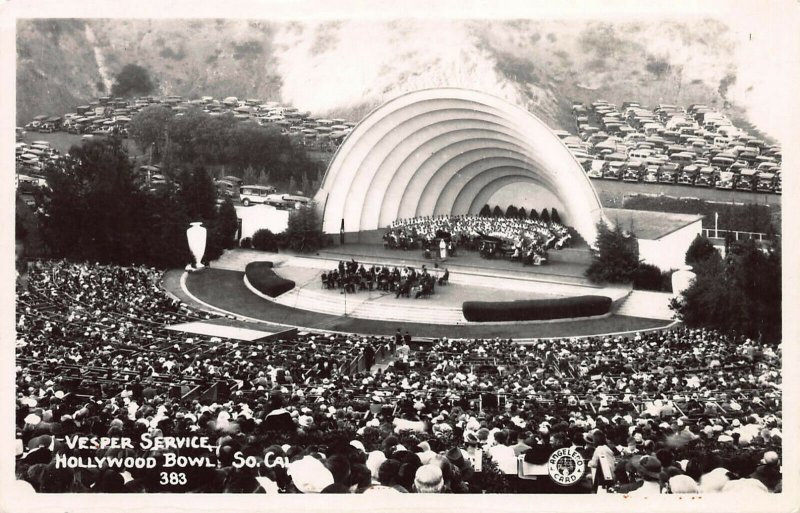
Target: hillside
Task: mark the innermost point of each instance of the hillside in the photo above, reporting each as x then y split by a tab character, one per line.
344	69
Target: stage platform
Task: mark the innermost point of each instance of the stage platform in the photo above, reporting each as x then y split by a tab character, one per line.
233	329
471	279
558	269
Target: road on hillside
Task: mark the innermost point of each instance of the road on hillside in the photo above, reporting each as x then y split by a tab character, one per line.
612	193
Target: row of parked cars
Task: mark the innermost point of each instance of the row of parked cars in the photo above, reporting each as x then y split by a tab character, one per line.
234	188
696	146
107	115
30	161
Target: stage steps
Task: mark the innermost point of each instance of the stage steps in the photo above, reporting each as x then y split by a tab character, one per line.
365	305
409	310
651	305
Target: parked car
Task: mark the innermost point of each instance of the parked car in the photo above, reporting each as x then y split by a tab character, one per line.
284	201
227	189
613	171
766	182
668	173
596	169
725	180
688	175
632	171
650	174
747	180
705	177
252	194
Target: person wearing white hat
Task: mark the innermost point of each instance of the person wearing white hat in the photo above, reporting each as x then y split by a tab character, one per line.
309	475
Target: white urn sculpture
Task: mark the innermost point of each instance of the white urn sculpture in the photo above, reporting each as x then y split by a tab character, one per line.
682	279
196	235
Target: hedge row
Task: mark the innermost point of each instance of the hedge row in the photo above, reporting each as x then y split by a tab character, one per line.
263	279
536	309
748	217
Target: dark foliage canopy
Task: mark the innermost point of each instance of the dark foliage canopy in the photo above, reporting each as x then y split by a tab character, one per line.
616	256
132	80
97	210
700	249
739	294
195	137
304	232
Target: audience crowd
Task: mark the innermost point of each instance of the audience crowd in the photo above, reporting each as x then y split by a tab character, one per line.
672	411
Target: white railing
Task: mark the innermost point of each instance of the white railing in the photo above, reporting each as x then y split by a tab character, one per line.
711	233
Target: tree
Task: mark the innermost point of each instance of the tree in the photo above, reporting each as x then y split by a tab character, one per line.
94	210
226	225
521	213
250	176
739	295
149	129
304	233
497	212
511	211
165	216
132	80
615	256
554	216
198	194
545	217
264	177
700	249
534	215
486	211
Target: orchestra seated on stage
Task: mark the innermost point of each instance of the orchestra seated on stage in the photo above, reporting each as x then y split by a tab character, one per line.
524	240
351	277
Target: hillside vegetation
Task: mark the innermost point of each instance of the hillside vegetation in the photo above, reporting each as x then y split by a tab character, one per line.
346	68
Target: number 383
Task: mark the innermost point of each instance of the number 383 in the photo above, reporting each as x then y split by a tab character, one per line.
173	478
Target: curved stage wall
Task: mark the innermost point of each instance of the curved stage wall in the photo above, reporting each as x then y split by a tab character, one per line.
447	151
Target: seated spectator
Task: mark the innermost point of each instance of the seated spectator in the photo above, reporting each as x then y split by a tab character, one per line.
428	479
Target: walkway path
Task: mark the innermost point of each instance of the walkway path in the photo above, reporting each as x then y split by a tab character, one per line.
225	290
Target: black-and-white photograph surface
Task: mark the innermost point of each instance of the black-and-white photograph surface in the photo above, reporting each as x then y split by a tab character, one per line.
359	250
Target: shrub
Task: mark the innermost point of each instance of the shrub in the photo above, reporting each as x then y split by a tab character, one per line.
246	243
650	277
748	217
263	279
700	249
265	240
486	211
554	216
658	66
545	215
536	309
